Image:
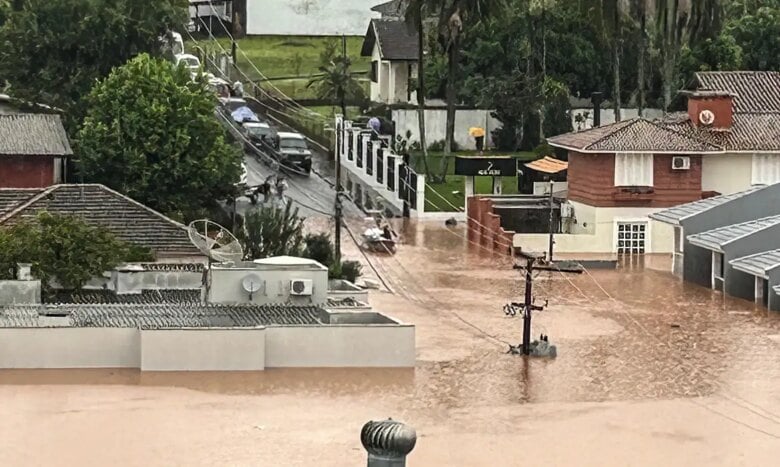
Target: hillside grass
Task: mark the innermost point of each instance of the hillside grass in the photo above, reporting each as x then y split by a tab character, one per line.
290	56
450	195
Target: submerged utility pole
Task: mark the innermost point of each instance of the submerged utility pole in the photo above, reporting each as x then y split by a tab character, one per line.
552	212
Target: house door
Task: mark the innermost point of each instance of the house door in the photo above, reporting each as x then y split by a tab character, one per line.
631	237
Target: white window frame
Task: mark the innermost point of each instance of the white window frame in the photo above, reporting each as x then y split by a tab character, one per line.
633	169
647	232
765	168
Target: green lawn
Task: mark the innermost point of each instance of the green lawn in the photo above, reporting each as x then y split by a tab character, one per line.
290	56
453	189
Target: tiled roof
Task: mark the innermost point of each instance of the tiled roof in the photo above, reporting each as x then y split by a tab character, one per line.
757	91
158	316
347	302
33	135
171	267
391	9
397	41
99	205
675	214
749	132
12	197
716	239
634	135
759	263
100	296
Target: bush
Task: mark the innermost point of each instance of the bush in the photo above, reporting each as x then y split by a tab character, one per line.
438	146
351	270
320	249
544	149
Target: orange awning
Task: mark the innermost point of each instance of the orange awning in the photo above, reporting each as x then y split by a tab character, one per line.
548	165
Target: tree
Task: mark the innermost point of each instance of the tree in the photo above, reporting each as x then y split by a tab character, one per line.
150	133
757	32
453	14
271	231
335	81
414	15
52	52
65	249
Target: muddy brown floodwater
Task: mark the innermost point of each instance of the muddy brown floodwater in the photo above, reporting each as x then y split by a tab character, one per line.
665	374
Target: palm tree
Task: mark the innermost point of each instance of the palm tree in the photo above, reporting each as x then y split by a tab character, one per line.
336	83
680	23
452	15
414	14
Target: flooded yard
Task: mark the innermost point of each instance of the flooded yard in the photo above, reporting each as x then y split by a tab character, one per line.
650	371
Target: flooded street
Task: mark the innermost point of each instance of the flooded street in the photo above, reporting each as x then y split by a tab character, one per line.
650	371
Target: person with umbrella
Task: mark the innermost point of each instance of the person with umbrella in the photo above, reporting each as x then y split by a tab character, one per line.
478	133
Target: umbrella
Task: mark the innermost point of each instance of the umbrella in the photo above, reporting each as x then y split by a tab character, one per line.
476	131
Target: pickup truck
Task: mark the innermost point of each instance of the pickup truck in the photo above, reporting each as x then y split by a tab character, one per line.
294	152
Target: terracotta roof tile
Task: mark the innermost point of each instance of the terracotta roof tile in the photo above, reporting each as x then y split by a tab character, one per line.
33	135
749	132
757	91
635	135
99	205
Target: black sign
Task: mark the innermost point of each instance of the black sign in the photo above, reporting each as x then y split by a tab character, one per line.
486	166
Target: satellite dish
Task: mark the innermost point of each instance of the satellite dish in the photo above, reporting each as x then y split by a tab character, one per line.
706	117
252	283
215	241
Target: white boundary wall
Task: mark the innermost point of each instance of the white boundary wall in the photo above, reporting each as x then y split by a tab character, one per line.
436	125
212	349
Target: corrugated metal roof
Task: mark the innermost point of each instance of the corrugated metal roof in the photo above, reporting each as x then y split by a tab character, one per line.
758	264
158	316
548	164
675	214
715	239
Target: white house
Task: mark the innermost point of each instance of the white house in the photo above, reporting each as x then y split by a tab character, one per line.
619	174
392	46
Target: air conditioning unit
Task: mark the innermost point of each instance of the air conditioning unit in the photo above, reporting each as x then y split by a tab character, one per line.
681	163
301	287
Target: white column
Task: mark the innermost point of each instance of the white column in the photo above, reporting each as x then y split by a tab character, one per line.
759	292
469	192
420	194
497	185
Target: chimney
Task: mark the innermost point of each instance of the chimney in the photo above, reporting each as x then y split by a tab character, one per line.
711	109
596	98
388	442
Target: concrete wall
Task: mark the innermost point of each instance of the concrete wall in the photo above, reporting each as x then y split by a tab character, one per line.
69	348
309	17
596	230
436	125
203	349
20	292
340	289
340	346
726	173
226	286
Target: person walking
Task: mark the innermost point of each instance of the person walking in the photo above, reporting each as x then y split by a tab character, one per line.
478	133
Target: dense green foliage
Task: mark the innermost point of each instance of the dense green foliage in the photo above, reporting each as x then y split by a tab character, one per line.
523	60
320	248
271	231
336	81
150	133
65	249
52	52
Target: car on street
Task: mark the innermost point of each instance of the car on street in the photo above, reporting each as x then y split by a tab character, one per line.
261	134
191	62
231	104
294	152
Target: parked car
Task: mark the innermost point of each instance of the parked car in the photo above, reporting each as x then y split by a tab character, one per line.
260	134
190	62
228	105
294	152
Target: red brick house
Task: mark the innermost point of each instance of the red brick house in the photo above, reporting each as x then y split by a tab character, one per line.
727	141
33	150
